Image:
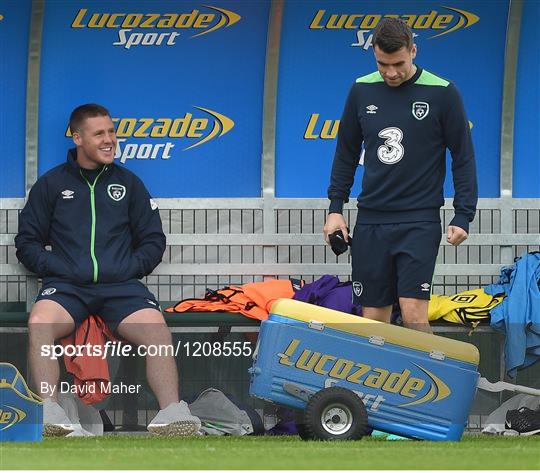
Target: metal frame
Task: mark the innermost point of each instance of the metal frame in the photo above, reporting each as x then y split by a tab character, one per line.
269	124
32	93
507	120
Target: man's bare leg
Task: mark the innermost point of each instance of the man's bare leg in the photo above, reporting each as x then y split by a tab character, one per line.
48	322
148	327
415	314
382	314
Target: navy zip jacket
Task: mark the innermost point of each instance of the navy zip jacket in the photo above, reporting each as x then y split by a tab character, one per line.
105	230
405	131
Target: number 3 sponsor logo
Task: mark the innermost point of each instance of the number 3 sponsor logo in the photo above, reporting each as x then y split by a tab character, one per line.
392	151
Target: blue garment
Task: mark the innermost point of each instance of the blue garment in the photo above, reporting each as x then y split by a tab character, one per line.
518	315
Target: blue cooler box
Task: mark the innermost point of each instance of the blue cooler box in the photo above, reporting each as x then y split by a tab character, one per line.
412	384
21	411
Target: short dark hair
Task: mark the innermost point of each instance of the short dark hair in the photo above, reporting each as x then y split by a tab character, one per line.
82	112
392	34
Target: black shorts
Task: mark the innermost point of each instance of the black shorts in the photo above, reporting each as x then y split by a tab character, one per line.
113	302
393	260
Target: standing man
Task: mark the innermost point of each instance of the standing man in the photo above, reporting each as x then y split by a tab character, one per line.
405	117
105	233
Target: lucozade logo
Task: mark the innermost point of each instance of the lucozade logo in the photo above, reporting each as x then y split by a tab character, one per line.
318	128
198	130
199	22
10	416
416	385
434	22
324	129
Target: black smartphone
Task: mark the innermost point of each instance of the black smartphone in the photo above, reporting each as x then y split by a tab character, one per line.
338	243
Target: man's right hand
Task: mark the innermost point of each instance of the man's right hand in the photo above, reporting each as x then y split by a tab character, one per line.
335	222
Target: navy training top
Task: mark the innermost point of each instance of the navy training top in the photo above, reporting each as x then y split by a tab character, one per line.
102	226
405	131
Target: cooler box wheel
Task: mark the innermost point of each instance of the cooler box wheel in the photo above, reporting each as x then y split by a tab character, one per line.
335	414
301	426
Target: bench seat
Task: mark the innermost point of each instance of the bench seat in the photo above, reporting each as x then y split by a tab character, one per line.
13	314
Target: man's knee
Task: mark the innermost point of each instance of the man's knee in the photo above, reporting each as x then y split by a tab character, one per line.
44	319
146	326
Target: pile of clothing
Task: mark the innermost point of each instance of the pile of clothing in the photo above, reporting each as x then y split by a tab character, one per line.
511	306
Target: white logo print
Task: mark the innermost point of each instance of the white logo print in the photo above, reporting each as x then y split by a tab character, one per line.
392	151
67	194
425	286
420	110
372	108
116	191
151	302
357	288
153	204
48	291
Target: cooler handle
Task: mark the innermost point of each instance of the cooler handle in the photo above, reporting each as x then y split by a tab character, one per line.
319	326
376	340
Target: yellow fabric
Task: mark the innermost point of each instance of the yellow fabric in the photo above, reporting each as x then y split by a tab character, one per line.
467	308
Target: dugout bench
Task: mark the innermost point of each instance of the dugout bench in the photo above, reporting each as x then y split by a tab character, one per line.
132	412
230	375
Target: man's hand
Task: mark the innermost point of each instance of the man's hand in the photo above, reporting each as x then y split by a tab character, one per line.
456	235
335	222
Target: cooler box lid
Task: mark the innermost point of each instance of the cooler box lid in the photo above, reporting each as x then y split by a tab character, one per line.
360	326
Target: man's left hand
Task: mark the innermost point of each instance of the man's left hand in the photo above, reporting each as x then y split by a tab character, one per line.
456	235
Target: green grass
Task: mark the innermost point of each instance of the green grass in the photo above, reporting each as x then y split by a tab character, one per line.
270	453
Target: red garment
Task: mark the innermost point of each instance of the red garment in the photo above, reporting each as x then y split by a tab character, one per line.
91	373
252	300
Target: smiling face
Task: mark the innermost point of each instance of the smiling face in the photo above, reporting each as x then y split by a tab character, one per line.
96	142
397	67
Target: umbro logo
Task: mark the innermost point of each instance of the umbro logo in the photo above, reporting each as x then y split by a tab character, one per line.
372	109
67	194
155	304
425	286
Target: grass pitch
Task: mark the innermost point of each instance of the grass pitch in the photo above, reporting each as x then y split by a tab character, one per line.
271	453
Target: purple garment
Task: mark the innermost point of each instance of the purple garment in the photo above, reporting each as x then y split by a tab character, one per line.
329	292
283	428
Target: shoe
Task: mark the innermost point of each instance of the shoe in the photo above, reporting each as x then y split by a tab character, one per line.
175	421
524	421
56	423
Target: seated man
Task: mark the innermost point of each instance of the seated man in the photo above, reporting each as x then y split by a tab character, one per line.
105	233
